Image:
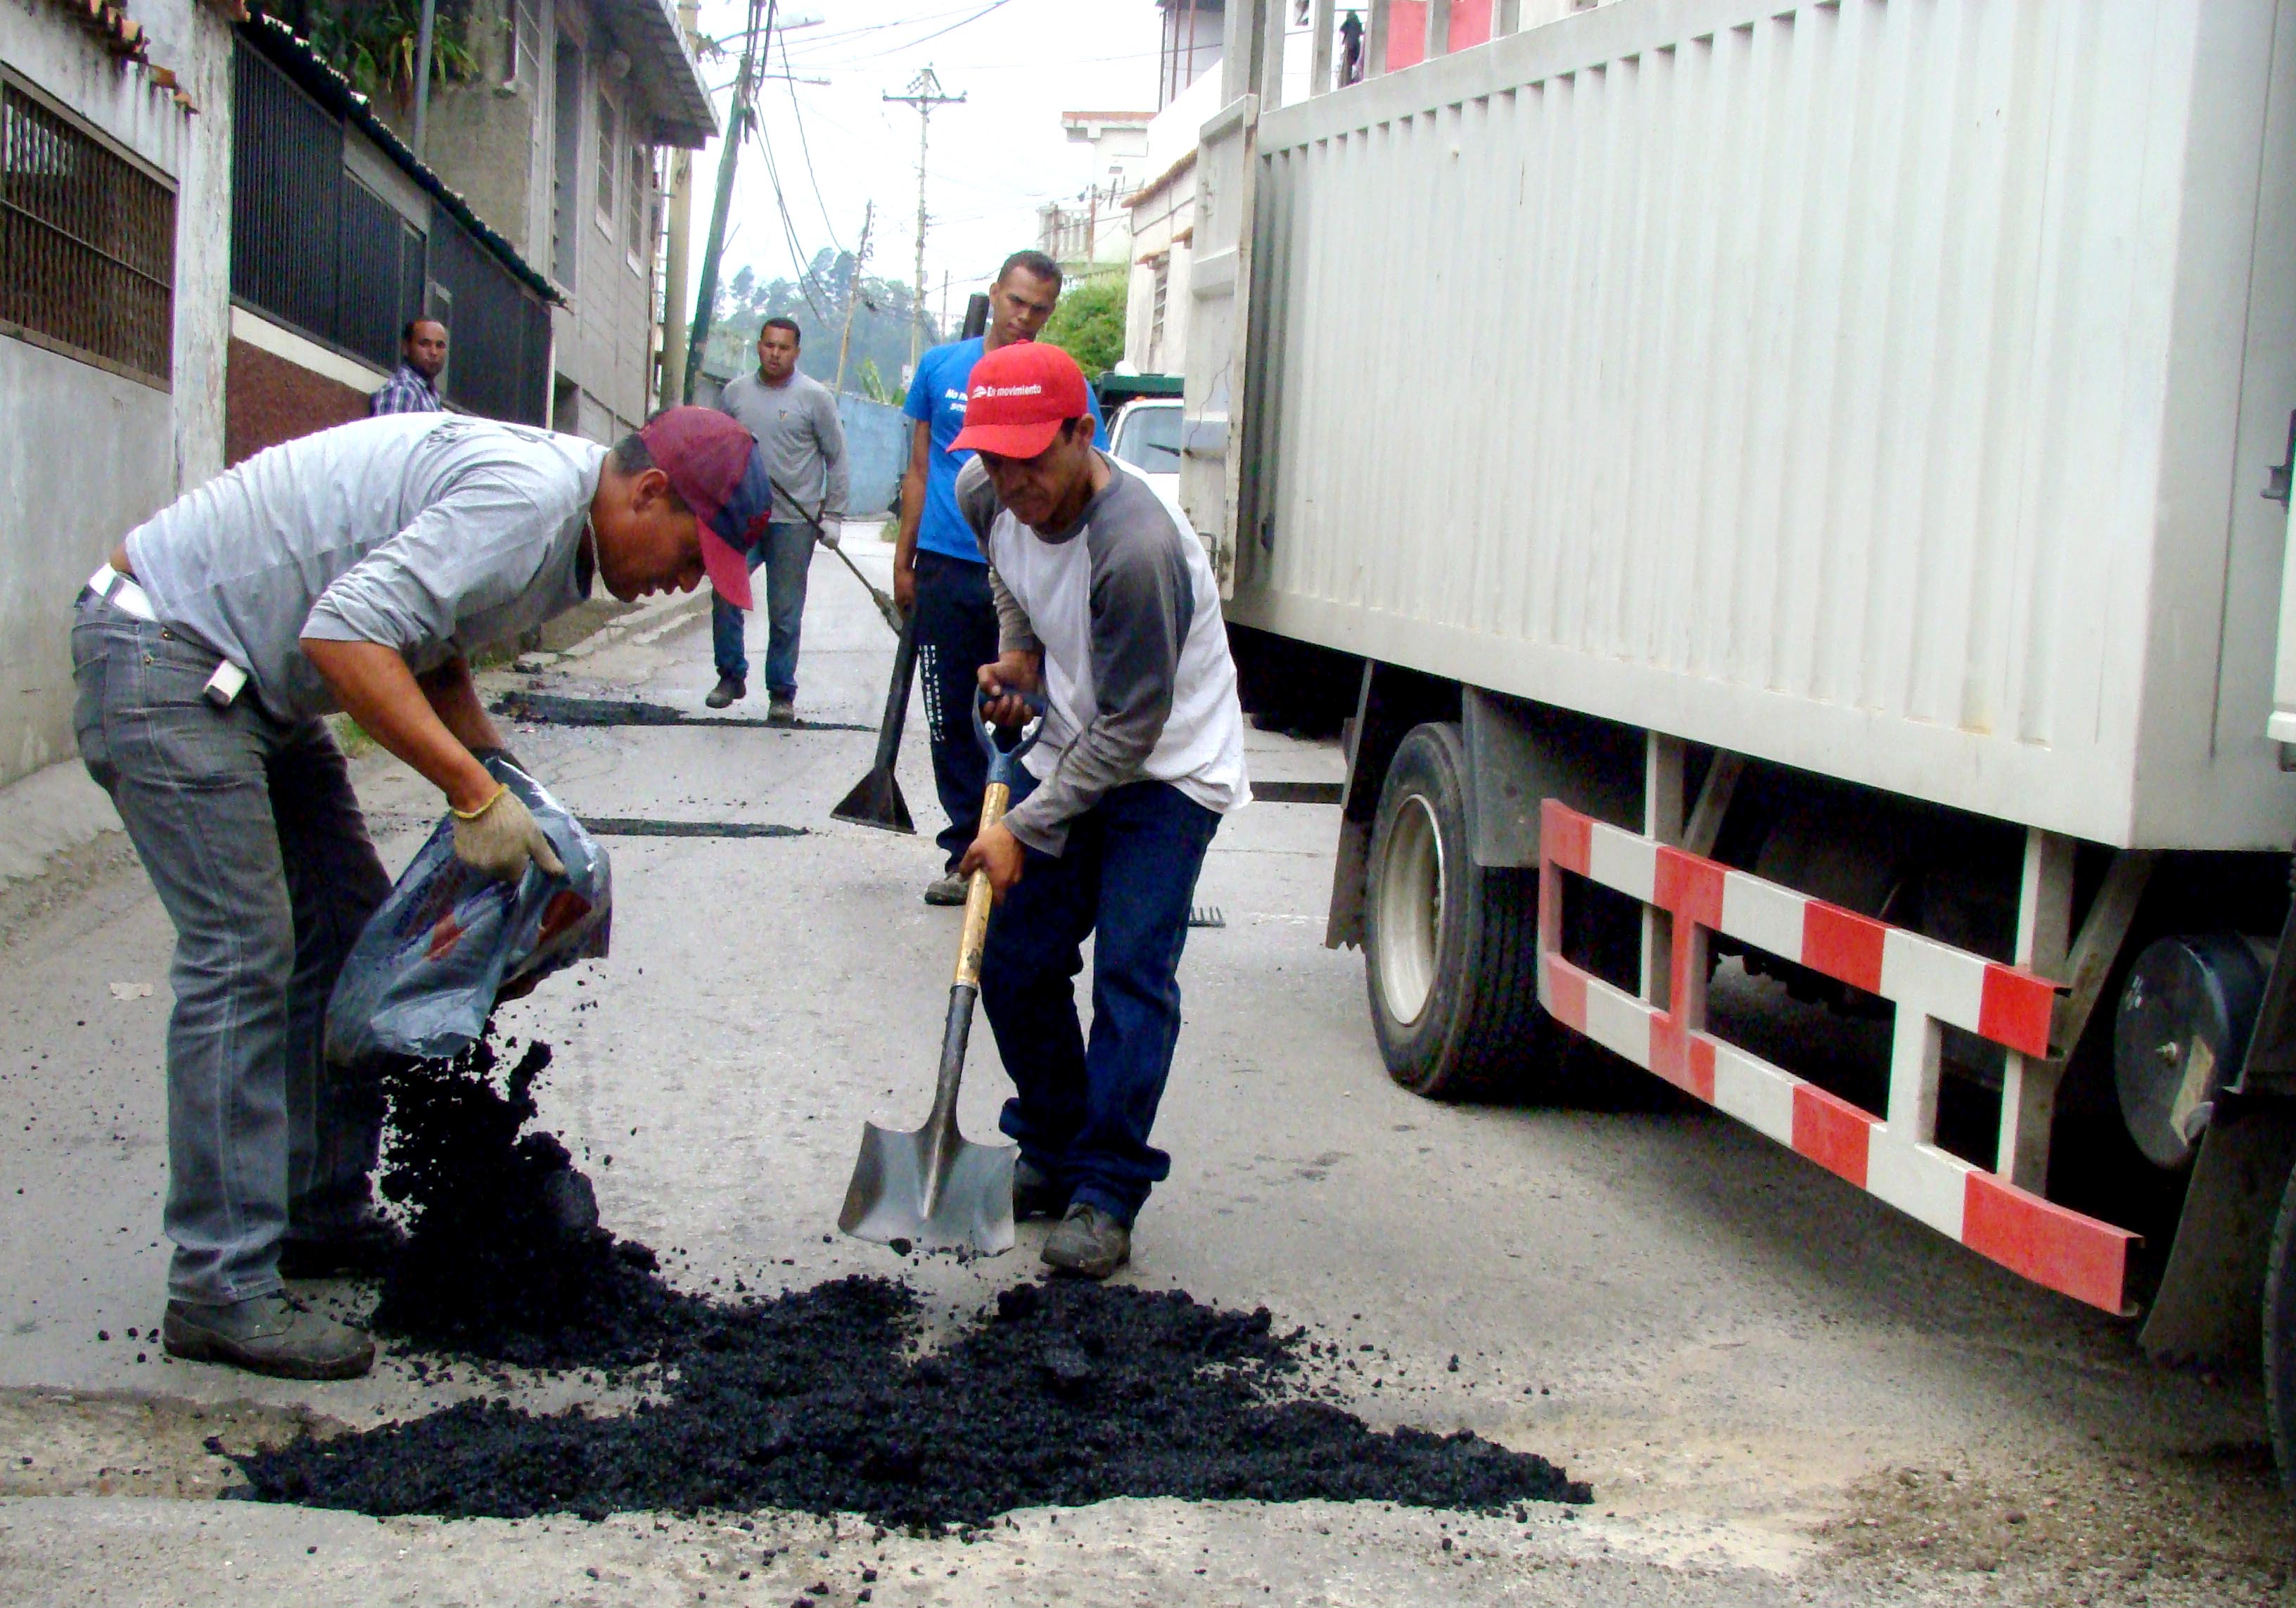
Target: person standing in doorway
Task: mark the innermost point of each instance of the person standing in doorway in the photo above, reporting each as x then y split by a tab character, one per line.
413	386
939	571
795	420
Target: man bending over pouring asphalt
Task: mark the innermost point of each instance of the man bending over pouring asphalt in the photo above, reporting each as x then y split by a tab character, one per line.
353	570
1104	602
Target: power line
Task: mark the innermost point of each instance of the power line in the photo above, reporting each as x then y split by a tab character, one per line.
805	147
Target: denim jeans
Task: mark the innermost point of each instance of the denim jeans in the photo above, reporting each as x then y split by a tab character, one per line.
956	635
786	555
253	839
1082	1113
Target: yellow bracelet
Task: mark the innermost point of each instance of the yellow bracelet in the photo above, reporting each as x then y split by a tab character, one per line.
472	814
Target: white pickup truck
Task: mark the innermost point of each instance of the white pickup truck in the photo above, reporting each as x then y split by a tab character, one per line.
1804	483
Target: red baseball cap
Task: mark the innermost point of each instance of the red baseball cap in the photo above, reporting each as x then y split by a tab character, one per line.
1018	398
717	469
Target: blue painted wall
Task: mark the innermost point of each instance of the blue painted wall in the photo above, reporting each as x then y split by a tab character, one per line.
877	440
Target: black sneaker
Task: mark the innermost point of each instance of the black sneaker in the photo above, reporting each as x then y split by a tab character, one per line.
728	688
269	1334
365	1248
948	890
1089	1243
1035	1195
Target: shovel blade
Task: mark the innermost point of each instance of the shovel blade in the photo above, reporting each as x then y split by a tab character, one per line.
876	802
893	1195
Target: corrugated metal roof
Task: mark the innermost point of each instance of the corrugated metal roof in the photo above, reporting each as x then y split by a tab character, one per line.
664	69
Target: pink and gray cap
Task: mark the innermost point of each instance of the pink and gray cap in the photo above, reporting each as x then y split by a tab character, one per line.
717	469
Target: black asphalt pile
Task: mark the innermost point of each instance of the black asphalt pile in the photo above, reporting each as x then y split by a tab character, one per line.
506	1259
828	1399
820	1400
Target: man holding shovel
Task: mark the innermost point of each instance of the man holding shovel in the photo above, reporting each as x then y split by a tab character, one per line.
795	420
354	569
1106	603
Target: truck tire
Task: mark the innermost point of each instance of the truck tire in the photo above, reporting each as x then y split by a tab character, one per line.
2280	1339
1450	948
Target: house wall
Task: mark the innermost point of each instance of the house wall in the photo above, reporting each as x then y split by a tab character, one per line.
96	453
605	335
280	385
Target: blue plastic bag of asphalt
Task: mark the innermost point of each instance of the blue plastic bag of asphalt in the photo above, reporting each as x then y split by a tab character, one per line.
450	943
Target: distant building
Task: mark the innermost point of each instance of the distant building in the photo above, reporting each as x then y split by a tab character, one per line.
115	123
1094	230
1162	226
1190	47
559	142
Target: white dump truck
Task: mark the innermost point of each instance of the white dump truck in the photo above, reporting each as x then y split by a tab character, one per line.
1802	485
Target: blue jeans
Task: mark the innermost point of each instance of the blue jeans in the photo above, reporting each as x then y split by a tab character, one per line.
1082	1113
253	839
786	555
956	635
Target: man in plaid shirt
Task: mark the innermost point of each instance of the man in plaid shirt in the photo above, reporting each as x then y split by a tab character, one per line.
422	357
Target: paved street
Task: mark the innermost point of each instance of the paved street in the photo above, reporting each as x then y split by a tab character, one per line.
1780	1390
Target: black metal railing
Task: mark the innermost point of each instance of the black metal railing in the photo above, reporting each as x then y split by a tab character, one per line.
314	248
498	352
88	243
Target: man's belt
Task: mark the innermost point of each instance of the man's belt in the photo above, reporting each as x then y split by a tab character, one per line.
121	592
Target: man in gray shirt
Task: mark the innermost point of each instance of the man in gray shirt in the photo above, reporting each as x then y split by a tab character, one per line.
794	418
354	569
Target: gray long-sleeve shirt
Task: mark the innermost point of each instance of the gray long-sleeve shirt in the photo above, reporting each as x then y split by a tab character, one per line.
434	534
797	424
1126	611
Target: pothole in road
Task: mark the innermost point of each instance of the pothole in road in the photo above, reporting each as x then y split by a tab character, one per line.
820	1399
637	826
558	709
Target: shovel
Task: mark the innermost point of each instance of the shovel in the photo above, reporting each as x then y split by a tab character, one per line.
876	799
934	1187
888	609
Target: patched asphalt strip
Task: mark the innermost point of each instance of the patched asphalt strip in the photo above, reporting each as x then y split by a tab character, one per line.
631	826
553	708
1298	792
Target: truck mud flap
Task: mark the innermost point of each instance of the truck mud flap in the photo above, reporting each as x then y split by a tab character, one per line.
1894	1157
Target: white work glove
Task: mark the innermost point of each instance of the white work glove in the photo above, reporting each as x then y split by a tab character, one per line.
832	530
499	838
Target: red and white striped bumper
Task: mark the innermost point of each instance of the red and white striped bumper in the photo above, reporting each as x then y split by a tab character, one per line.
1894	1156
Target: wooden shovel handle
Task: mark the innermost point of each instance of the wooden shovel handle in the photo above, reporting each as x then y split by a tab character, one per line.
978	896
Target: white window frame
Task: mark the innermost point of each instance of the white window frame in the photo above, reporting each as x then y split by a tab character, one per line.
608	176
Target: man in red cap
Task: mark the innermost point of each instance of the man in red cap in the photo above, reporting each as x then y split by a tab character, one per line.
355	569
1105	602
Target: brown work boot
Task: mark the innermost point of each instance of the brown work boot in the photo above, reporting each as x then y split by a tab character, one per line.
270	1335
1089	1243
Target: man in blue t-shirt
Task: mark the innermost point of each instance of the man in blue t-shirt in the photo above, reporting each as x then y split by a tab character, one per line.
939	570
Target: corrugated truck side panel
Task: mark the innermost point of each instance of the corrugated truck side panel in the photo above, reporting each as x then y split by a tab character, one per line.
1867	387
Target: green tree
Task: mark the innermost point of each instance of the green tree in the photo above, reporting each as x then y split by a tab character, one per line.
1088	324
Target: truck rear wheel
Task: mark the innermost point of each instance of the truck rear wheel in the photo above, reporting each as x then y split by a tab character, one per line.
2280	1339
1450	948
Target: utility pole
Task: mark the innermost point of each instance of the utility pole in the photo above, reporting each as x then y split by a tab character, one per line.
853	294
737	122
673	255
924	94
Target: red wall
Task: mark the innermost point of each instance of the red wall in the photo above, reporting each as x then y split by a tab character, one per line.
268	399
1406	28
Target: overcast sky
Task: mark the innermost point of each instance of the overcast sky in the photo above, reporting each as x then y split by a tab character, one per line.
1020	64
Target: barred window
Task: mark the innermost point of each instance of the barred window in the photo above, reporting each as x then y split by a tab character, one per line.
88	243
